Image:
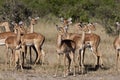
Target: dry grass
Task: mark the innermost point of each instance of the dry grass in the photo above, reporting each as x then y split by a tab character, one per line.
48	29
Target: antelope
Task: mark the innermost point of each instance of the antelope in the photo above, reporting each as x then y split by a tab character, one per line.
79	41
33	21
92	41
116	44
33	39
14	43
66	48
6	25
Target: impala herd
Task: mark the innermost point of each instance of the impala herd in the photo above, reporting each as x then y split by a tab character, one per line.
67	44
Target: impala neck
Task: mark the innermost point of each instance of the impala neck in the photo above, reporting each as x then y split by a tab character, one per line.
59	39
31	28
89	31
119	34
18	36
83	37
6	25
7	28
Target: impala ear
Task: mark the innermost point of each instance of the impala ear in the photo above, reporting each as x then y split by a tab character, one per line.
117	23
65	29
36	18
13	23
29	18
69	21
57	27
20	23
61	19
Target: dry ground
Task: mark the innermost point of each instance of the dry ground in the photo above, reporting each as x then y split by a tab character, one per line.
46	71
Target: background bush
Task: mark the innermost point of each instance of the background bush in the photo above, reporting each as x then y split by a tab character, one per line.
106	12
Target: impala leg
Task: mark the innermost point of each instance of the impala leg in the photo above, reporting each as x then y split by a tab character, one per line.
98	58
11	59
57	66
69	62
43	56
82	60
6	58
73	62
20	58
30	50
39	53
24	52
16	58
117	59
64	58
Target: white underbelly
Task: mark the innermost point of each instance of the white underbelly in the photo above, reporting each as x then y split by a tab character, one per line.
29	44
2	41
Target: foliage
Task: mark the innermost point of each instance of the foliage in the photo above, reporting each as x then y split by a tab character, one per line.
108	11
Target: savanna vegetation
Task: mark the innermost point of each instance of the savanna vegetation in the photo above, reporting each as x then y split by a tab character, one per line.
106	12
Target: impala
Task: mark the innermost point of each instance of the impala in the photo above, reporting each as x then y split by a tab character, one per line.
33	39
13	43
79	41
6	25
67	48
29	32
116	44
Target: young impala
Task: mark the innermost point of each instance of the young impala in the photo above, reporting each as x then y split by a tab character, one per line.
14	44
67	48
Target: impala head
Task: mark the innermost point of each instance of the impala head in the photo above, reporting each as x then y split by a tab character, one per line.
83	27
33	21
66	22
80	25
60	29
20	28
91	26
